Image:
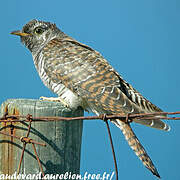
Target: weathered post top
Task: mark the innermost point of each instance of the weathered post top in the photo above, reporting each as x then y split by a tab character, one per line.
62	138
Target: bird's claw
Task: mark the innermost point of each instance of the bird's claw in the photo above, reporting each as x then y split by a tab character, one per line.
54	99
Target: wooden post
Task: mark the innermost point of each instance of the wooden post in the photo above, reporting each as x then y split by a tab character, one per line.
62	138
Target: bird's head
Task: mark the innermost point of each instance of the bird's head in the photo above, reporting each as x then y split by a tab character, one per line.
35	34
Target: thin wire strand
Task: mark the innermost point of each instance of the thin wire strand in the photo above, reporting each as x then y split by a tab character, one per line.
39	163
22	155
122	117
112	147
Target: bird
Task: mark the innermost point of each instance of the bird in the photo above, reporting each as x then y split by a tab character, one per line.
81	76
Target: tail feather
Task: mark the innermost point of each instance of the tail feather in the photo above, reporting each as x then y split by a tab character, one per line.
154	123
136	146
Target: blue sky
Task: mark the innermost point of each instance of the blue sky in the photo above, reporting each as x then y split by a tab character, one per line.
139	38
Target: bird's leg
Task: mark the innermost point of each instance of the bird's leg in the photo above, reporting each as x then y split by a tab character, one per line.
55	99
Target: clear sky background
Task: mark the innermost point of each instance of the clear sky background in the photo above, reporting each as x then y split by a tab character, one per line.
141	39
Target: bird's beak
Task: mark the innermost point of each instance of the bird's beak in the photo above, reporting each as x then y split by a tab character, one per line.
19	33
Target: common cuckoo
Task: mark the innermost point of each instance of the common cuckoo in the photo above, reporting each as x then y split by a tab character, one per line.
80	76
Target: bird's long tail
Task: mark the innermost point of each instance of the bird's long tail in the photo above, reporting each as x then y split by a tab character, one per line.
136	145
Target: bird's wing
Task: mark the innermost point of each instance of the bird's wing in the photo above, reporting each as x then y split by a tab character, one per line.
85	72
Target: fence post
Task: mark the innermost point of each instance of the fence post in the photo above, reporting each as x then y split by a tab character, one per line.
62	138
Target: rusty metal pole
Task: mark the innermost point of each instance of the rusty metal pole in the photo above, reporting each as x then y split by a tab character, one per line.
62	139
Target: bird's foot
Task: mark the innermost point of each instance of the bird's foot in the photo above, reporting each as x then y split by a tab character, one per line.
54	99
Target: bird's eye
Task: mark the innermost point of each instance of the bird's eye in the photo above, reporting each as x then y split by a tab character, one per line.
38	30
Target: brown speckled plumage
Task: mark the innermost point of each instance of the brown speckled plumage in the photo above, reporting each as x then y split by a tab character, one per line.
82	77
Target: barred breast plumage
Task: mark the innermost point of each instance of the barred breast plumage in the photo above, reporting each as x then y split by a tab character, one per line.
57	87
82	77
